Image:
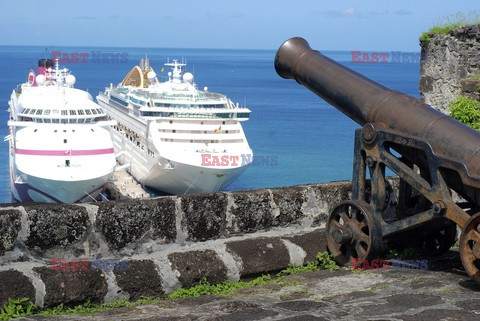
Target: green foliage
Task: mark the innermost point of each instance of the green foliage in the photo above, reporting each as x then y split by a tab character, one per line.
451	22
16	308
408	253
425	37
297	269
225	288
323	261
326	261
466	110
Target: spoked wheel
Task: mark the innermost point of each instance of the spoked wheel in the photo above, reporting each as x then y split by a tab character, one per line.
353	232
470	247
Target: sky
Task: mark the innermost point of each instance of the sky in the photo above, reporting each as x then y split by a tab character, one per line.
242	24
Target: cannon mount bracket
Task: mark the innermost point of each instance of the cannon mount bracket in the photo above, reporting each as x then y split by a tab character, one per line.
425	214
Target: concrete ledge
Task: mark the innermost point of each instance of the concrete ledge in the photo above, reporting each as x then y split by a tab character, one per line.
160	272
134	226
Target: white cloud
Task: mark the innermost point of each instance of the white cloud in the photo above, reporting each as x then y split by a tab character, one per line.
349	12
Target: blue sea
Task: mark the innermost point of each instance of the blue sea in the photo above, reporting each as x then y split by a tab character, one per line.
297	137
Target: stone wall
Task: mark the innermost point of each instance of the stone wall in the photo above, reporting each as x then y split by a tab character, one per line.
449	61
135	226
169	242
157	273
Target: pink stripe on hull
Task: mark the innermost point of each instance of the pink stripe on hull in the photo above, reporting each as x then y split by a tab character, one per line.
64	152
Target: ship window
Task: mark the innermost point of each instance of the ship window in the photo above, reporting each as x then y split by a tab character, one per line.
26	111
99	110
67	163
39	112
35	130
55	131
32	111
64	141
72	120
46	120
55	120
173	131
73	112
46	112
94	111
64	121
80	121
88	112
55	112
80	112
64	112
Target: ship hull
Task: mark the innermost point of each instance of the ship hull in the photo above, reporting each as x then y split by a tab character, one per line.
175	178
36	189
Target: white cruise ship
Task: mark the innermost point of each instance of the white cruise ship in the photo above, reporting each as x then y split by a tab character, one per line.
173	137
61	149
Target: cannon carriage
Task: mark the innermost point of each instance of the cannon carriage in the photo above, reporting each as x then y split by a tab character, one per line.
434	156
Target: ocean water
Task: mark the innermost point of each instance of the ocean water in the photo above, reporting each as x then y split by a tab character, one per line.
297	137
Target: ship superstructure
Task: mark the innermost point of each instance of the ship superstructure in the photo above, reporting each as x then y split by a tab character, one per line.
173	137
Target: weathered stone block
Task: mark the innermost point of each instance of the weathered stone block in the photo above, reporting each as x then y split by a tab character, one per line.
205	215
15	285
123	222
470	85
55	225
192	266
311	243
252	210
289	202
140	279
163	219
72	287
327	195
9	226
260	255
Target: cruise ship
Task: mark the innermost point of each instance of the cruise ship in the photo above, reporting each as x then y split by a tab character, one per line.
61	149
173	137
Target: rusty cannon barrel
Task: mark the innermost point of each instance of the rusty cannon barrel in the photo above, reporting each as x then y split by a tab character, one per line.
366	101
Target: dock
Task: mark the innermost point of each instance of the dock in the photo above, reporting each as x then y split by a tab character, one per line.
127	186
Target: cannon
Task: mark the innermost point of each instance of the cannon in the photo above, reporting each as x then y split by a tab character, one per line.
436	158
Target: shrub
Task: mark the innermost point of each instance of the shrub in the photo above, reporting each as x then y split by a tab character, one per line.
466	110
